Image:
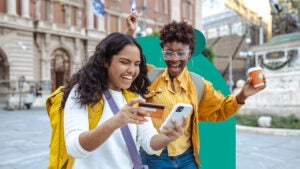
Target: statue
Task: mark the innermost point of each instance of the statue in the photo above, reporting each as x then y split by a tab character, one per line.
283	21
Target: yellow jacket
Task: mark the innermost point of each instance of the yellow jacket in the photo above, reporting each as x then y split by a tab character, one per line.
212	107
58	157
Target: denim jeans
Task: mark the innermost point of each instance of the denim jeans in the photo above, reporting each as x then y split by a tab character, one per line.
185	160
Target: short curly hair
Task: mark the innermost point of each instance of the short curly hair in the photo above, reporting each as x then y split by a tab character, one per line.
179	32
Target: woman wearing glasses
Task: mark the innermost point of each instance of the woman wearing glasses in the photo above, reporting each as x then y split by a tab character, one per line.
176	85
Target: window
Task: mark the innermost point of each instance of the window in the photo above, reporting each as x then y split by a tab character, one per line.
60	68
223	30
212	33
237	28
59	14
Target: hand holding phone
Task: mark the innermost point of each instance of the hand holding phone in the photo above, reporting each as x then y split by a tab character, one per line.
178	112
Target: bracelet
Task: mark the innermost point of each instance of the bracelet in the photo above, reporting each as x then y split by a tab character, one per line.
238	101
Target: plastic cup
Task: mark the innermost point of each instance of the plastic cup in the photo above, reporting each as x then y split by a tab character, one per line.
257	76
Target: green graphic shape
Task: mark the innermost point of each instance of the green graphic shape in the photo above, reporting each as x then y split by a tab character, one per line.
217	140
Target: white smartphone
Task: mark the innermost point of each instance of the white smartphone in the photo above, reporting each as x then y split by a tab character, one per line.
177	113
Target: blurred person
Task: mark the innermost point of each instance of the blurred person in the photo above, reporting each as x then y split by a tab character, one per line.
39	91
176	85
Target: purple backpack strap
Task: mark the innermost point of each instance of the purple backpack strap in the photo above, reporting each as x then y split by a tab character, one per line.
137	163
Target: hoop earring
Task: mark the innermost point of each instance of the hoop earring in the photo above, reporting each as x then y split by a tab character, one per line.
192	64
161	60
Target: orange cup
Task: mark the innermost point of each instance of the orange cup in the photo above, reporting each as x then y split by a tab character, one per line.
257	76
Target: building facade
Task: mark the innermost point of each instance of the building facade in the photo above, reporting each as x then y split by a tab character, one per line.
43	42
280	61
230	33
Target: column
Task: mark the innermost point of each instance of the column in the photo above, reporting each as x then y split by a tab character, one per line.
50	13
89	14
175	10
100	24
67	14
198	14
75	65
11	7
165	6
38	10
25	8
79	17
261	31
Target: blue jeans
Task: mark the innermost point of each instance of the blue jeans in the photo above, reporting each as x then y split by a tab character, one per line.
185	160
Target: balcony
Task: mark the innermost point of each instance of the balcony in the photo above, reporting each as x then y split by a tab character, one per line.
15	21
60	29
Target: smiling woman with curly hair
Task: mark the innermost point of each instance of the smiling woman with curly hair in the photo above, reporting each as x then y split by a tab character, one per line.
177	85
117	67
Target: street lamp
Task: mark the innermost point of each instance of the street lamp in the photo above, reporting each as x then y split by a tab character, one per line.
230	74
149	31
140	32
21	85
247	54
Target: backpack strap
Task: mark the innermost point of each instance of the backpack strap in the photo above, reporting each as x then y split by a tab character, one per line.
198	82
197	79
154	73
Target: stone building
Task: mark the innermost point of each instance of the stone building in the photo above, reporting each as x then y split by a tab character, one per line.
231	32
280	61
226	33
43	42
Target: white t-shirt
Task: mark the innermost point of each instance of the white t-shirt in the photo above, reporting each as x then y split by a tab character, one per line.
113	153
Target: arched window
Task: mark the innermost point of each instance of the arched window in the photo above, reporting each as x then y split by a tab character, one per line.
60	68
3	68
4	75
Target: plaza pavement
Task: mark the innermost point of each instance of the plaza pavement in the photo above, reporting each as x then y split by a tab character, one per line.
25	134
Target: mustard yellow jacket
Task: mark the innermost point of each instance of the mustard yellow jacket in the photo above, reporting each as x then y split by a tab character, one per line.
213	106
58	157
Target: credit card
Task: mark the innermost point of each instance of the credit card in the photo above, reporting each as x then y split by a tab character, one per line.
156	110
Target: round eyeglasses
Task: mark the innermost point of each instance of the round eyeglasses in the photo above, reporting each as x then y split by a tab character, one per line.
180	54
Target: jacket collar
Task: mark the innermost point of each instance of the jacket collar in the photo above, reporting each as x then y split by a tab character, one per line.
183	78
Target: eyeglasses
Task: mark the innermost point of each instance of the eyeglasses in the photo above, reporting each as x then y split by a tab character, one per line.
181	54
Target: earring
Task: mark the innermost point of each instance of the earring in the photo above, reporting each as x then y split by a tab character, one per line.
161	60
192	64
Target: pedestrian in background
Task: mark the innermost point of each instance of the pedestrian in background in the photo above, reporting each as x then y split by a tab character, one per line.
39	91
176	85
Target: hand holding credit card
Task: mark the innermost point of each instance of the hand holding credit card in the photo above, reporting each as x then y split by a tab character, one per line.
156	110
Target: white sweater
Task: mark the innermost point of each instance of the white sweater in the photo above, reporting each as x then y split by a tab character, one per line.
113	153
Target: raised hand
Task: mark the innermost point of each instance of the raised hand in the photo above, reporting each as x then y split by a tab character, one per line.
131	22
249	90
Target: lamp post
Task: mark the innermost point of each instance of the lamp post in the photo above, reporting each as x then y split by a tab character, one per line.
247	54
140	32
21	85
230	74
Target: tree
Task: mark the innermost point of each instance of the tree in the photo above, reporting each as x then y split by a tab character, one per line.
209	54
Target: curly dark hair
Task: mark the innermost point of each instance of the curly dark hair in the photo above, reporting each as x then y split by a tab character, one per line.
179	32
91	79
